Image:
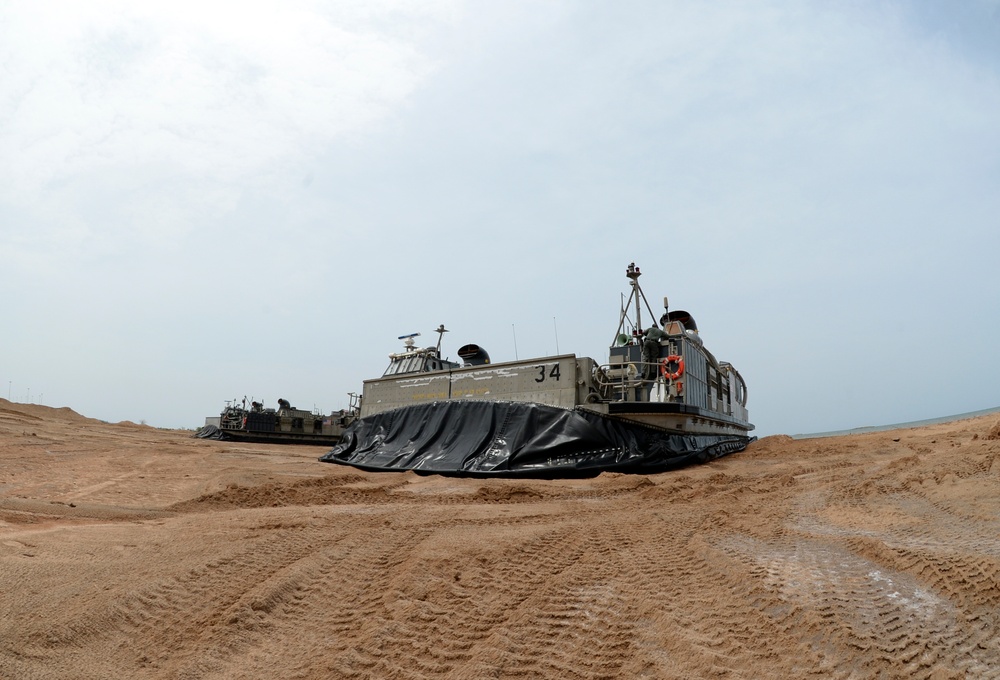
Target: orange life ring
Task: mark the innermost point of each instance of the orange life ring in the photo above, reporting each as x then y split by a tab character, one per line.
680	367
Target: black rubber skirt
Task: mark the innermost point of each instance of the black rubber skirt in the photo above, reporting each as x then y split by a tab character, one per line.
502	438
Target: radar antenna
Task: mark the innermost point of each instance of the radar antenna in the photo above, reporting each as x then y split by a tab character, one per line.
408	340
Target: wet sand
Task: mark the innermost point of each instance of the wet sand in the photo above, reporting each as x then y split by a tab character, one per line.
128	551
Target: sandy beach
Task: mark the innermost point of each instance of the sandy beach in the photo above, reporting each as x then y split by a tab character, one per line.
130	551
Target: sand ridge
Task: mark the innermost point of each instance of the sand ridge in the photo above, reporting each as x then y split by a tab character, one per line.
129	551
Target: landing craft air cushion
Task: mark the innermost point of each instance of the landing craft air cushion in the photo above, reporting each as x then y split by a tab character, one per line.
284	425
661	401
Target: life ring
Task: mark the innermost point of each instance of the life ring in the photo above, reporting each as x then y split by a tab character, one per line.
680	367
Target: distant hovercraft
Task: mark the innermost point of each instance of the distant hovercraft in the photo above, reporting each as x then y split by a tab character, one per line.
284	425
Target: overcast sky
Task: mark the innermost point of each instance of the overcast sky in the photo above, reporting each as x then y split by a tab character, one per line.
201	201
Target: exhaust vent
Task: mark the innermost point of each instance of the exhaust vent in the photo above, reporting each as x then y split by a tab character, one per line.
473	355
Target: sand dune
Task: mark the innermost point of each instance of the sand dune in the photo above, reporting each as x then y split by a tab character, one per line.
128	551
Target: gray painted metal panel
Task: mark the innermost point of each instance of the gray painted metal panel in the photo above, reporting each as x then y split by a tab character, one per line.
696	374
551	380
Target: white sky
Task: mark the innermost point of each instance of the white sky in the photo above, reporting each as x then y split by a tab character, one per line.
201	201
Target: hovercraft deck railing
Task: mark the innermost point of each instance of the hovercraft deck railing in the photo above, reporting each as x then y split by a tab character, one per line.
637	381
719	390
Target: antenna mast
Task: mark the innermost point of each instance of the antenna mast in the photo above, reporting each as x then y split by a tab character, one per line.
441	330
633	273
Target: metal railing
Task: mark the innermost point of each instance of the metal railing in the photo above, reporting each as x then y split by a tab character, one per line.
627	382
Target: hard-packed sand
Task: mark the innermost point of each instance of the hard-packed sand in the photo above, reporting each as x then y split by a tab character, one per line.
132	552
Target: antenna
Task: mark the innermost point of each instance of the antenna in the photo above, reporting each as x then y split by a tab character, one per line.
633	273
556	331
441	330
408	340
515	341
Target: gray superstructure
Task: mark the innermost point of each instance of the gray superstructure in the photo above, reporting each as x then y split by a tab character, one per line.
693	392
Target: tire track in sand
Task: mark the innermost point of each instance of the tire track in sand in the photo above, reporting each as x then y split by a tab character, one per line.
319	602
695	609
844	602
190	622
565	619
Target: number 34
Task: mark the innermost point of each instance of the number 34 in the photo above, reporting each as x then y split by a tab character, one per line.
554	373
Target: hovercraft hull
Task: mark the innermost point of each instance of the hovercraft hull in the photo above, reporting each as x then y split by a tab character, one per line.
506	438
229	435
